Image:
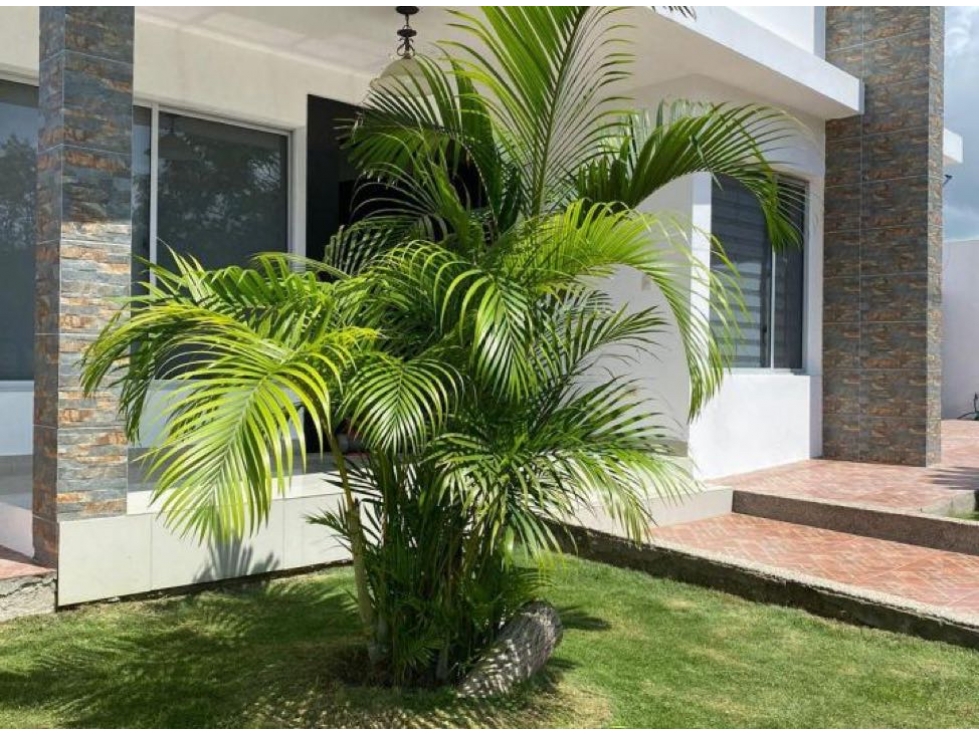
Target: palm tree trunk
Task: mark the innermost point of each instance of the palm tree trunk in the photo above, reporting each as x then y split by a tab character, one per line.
358	546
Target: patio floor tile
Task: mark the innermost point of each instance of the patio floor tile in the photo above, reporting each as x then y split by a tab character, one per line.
923	575
13	565
877	485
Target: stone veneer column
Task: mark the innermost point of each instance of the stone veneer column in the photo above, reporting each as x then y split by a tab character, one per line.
883	239
84	240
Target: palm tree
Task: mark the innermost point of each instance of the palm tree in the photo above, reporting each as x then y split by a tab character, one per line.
460	328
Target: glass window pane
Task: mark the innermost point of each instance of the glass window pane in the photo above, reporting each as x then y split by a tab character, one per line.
142	121
330	177
222	191
18	181
788	301
772	283
738	223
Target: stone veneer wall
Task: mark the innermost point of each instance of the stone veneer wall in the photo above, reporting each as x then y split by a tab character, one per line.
883	239
84	241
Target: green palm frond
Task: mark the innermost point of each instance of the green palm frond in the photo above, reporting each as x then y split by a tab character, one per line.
398	404
413	124
477	309
231	422
558	252
549	75
740	141
237	350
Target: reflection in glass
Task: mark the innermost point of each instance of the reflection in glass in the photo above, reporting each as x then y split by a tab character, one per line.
142	122
222	198
222	191
18	181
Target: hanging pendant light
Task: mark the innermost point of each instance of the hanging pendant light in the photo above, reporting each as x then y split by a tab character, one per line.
174	146
406	66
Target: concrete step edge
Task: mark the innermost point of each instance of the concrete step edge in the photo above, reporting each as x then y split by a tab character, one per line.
773	585
912	528
27	595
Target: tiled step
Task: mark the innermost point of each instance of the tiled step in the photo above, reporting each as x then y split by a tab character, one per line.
872	521
918	575
25	588
904	588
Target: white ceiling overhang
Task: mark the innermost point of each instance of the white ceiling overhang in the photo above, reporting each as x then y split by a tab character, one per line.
719	44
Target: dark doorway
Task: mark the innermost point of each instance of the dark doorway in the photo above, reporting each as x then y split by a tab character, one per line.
330	189
330	177
330	180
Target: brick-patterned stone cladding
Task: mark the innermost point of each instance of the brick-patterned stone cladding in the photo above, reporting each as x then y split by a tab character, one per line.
883	238
83	259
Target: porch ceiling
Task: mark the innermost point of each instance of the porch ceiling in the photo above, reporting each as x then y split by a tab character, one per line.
718	44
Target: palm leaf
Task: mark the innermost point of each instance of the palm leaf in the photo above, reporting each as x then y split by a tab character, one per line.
740	141
548	73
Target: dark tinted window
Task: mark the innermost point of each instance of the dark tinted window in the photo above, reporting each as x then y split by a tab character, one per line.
222	197
222	191
18	181
772	282
142	133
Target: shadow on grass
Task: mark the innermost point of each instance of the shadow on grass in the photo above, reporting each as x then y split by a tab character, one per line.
257	655
576	618
193	661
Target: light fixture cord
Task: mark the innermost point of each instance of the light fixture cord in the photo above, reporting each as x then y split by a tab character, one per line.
406	48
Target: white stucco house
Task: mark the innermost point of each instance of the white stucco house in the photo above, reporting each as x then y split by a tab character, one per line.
267	84
960	343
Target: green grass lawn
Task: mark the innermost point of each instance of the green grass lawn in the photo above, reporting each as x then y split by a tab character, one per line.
974	515
637	652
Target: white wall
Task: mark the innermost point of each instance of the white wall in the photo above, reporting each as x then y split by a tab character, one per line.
200	72
799	24
135	553
19	43
960	342
228	79
760	418
661	373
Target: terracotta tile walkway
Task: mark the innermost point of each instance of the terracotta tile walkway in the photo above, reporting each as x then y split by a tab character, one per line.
13	565
923	575
877	485
943	579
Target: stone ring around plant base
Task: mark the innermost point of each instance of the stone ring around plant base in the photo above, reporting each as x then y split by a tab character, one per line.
520	650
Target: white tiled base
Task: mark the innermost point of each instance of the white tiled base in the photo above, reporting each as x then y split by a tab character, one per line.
106	557
135	553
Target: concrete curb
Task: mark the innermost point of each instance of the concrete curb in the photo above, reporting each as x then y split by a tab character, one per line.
913	528
761	583
27	595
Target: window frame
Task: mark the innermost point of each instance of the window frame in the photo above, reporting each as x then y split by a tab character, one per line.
806	184
156	109
295	174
